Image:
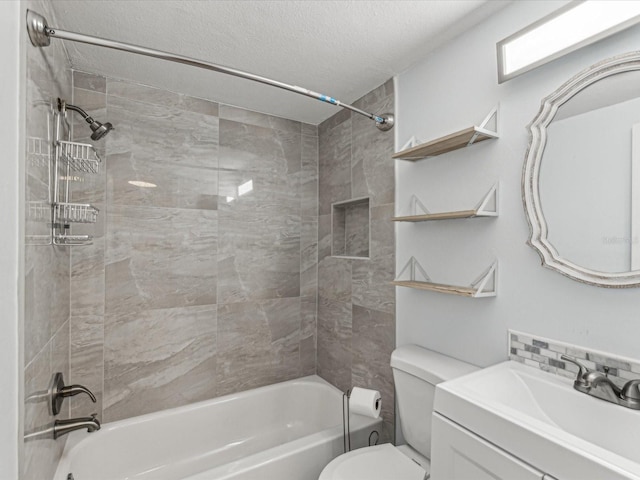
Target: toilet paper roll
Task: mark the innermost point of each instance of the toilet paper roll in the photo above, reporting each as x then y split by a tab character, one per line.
365	402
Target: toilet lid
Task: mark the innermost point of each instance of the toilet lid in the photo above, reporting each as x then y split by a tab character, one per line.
380	462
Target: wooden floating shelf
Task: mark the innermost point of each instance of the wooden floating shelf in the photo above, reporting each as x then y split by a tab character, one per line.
449	143
484	286
440	216
437	287
454	141
488	207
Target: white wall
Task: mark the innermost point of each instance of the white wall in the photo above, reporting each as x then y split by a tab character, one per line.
454	88
10	22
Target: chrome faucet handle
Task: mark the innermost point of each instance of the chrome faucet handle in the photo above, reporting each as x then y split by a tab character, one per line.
71	390
631	390
582	371
58	392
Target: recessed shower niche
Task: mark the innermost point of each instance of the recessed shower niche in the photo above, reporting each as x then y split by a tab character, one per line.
350	228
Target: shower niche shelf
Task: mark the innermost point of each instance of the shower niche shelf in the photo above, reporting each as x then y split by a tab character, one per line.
483	286
487	207
414	150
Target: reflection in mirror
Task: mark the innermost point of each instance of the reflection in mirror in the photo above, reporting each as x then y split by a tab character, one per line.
585	175
581	181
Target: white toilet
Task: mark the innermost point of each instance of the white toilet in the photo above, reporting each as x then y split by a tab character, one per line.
416	372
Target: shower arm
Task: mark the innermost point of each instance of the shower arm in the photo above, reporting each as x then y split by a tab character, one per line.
40	34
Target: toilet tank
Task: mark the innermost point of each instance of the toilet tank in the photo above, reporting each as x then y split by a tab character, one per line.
416	372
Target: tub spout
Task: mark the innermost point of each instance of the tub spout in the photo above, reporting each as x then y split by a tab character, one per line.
62	427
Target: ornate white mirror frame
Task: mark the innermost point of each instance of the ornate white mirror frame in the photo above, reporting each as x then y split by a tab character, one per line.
531	174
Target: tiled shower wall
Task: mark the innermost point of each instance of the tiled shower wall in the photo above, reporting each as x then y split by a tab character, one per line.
46	288
192	289
356	301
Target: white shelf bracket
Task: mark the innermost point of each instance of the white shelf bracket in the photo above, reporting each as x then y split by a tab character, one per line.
486	284
489	126
488	206
412	142
413	266
417	207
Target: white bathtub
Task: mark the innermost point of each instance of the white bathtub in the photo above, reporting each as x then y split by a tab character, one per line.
286	431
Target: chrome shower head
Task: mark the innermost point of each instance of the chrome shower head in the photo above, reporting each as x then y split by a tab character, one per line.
99	129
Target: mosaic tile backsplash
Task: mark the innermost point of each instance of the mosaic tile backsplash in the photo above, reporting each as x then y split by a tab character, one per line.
544	354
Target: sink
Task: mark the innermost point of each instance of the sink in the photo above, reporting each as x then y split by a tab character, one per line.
541	419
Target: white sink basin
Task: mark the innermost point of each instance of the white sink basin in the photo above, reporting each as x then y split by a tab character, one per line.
541	419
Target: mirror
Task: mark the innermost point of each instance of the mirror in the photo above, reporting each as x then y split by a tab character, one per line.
582	175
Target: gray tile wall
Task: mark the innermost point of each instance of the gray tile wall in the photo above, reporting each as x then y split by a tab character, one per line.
47	270
190	290
356	301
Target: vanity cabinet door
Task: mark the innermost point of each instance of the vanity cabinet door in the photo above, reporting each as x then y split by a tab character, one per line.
458	454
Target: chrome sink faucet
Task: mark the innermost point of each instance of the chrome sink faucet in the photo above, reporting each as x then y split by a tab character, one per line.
600	386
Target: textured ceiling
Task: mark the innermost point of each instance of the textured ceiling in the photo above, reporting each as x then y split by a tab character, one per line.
339	48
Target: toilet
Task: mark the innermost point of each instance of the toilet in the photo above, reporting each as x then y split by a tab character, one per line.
416	372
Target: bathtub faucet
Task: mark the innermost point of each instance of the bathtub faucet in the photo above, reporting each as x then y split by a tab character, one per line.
62	427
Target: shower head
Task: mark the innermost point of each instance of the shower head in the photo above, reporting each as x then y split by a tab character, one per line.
99	129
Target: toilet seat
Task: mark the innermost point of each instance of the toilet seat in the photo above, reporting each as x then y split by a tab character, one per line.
380	462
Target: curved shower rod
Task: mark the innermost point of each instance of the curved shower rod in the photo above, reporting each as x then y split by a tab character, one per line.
40	34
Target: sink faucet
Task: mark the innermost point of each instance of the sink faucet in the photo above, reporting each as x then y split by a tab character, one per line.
600	386
62	427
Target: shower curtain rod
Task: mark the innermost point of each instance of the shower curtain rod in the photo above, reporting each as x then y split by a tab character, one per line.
40	34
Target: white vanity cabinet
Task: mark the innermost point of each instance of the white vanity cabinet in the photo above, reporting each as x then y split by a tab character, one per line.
458	454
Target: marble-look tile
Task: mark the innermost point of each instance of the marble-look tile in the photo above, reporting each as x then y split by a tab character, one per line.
142	93
60	360
158	359
199	105
334	342
258	194
47	293
372	169
334	156
169	134
159	97
356	235
258	344
342	116
87	362
171	148
309	176
339	231
237	114
372	286
309	129
309	256
177	186
91	101
373	341
308	336
334	279
324	237
258	149
372	100
160	258
88	277
89	81
258	256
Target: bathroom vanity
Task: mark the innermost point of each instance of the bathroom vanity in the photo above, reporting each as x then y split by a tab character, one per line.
512	421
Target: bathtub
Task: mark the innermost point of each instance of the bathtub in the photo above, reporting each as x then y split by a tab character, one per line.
286	431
